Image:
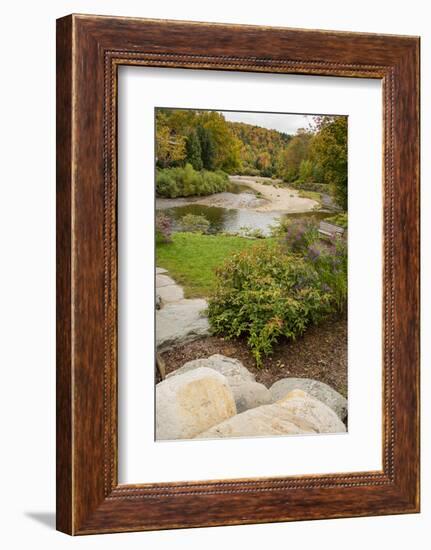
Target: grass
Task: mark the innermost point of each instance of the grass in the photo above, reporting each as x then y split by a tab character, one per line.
191	259
314	195
339	219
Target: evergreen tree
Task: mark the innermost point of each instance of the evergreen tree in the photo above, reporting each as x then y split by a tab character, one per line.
207	147
193	151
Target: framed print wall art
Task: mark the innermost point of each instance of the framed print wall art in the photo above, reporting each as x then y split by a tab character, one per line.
237	274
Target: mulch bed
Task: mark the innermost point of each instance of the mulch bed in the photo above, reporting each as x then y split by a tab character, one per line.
320	354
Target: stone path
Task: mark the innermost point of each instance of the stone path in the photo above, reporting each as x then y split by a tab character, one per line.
178	320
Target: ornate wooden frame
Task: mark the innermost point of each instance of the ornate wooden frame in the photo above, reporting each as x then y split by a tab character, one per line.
89	51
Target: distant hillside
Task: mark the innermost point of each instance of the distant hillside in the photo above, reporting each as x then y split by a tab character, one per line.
261	148
206	141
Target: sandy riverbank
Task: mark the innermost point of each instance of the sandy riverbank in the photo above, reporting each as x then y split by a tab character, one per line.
272	199
276	198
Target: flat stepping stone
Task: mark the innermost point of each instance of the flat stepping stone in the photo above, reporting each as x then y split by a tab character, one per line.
181	322
161	270
164	280
170	293
316	389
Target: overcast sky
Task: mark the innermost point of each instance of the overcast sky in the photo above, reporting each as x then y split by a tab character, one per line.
281	122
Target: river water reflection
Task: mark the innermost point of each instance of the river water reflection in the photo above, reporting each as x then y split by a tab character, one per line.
232	220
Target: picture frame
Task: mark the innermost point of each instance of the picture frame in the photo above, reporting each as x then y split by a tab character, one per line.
89	51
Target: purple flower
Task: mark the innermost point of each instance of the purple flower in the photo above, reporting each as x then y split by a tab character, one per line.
313	253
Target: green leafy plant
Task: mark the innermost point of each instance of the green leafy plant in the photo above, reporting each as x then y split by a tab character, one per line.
251	233
313	195
163	228
310	186
339	219
194	223
330	262
186	181
298	235
264	294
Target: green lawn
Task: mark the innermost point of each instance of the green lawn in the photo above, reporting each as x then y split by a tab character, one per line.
191	259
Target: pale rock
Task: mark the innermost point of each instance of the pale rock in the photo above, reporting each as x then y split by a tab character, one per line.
267	420
163	280
191	403
319	390
233	369
308	412
297	413
170	293
161	270
181	322
247	392
249	395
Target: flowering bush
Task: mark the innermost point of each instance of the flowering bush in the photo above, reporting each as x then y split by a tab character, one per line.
297	236
331	265
163	228
264	294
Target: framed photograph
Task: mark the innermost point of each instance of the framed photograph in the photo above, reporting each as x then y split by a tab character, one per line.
237	274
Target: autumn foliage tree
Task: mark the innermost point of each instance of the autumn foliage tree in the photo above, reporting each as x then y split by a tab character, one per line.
170	148
329	151
293	155
205	140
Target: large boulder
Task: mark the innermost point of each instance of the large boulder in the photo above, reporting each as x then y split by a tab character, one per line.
247	392
249	395
308	412
191	403
181	322
233	369
297	413
319	390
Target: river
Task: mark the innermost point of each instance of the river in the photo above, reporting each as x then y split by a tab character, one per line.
240	208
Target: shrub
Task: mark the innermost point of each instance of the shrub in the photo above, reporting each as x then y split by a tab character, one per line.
339	219
249	171
186	181
166	185
163	228
311	186
194	223
331	265
251	233
313	195
264	294
298	235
